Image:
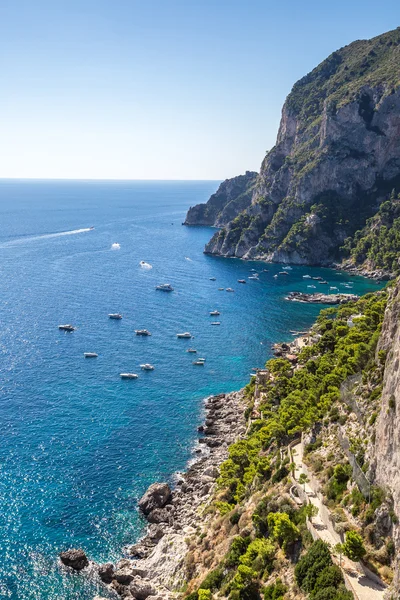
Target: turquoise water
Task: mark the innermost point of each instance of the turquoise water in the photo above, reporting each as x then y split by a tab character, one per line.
78	445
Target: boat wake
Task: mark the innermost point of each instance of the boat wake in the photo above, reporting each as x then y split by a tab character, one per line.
45	236
145	265
115	246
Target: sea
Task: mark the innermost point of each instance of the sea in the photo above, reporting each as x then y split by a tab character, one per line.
79	445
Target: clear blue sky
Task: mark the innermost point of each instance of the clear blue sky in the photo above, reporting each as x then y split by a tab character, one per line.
159	89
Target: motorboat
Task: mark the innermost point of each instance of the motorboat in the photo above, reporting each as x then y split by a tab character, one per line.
286	268
318	278
165	287
312	286
213	279
144	265
221	289
201	359
191	350
323	282
306	276
143	332
198	362
66	327
147	367
215	323
128	375
275	276
333	287
214	313
90	355
185	335
116	316
230	290
255	277
283	273
241	281
91	228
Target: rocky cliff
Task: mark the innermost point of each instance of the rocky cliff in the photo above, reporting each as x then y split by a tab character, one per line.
232	197
337	156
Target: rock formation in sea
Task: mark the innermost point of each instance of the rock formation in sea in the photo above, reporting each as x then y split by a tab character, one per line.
336	158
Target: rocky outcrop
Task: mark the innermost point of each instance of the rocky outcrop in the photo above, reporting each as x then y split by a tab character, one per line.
74	558
387	435
337	156
231	198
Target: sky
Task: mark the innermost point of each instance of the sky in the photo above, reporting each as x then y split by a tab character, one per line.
159	89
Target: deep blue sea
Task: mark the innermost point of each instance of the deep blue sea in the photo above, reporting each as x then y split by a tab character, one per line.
78	444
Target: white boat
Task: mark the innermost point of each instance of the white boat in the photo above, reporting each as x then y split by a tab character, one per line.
185	335
165	287
191	350
117	316
333	287
312	286
241	281
214	313
199	363
254	277
275	276
283	273
143	332
147	367
66	327
229	290
145	265
201	359
221	289
306	276
128	375
215	323
90	355
286	268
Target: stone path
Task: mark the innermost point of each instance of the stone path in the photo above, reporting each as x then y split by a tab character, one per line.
362	587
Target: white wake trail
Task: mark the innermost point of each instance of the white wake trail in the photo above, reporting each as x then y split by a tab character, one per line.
43	237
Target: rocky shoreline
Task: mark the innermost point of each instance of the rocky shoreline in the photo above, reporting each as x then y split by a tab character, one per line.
319	298
154	566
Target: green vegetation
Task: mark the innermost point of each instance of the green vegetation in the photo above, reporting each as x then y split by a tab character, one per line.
353	547
378	243
318	576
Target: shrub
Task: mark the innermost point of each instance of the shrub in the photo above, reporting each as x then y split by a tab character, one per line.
213	580
238	547
319	555
275	591
353	547
282	529
204	594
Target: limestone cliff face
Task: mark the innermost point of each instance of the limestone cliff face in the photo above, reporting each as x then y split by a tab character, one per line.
336	157
232	197
387	435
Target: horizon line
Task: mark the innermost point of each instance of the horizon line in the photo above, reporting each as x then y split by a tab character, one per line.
99	179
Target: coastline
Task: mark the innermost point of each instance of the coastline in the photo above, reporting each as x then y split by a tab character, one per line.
155	565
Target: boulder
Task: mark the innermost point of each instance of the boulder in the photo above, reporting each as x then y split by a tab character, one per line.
155	532
157	496
159	515
141	589
106	572
139	550
74	558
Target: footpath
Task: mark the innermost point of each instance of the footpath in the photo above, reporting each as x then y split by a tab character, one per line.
363	586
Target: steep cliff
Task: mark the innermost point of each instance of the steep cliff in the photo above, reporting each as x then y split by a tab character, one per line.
232	197
387	435
337	156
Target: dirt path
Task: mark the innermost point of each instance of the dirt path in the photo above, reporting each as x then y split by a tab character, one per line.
363	588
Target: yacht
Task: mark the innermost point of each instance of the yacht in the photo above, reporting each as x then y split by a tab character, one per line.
115	316
229	290
318	278
221	289
198	362
90	355
323	282
128	375
306	276
275	276
241	281
333	287
214	313
213	279
191	350
165	287
283	273
254	277
312	286
286	268
185	335
66	327
201	360
215	323
143	332
147	367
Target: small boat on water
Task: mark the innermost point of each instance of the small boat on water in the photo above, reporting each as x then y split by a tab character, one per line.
90	355
117	316
144	265
198	362
185	335
191	350
283	273
221	289
286	268
229	290
306	276
201	360
165	287
128	375
215	323
147	367
312	286
213	279
241	281
214	313
66	328
142	332
275	276
323	283
255	277
333	287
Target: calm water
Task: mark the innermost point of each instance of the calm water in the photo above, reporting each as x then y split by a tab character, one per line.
78	445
